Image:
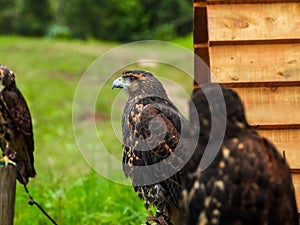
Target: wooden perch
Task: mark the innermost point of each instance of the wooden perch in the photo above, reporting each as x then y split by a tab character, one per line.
7	194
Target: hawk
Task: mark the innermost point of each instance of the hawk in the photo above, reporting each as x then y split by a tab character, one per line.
248	182
16	135
153	140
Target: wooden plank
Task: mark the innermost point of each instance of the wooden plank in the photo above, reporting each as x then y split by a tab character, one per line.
200	4
271	106
8	176
255	42
254	21
296	182
247	1
275	126
262	84
259	63
287	140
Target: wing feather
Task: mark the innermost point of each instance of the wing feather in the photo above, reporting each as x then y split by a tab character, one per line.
19	112
153	135
19	132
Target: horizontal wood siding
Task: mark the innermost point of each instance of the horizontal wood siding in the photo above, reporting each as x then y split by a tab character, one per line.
254	22
296	182
286	140
253	46
260	63
246	1
271	106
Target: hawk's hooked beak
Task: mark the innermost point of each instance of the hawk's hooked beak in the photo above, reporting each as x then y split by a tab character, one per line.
118	83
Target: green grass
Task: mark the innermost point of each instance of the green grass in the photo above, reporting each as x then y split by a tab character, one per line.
186	42
47	72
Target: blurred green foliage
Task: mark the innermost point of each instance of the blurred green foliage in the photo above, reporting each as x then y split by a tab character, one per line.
47	73
125	21
27	17
35	17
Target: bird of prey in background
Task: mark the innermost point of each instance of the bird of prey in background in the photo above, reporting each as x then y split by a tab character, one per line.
248	182
16	135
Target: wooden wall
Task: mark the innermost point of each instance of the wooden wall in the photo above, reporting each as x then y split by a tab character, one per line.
254	47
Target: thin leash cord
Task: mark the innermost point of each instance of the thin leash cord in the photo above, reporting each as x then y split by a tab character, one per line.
33	202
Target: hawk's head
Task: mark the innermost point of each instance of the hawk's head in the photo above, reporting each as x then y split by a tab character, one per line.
140	83
7	76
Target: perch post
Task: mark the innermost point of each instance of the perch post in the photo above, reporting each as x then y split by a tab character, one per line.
7	194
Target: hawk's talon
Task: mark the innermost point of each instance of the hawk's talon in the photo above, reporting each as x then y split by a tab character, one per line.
159	219
7	161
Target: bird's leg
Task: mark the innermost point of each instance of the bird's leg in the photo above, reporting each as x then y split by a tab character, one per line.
159	218
8	156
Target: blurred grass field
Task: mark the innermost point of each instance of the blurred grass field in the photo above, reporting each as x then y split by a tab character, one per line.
47	72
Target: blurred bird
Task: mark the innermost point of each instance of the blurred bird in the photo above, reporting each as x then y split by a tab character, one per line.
16	135
248	182
152	130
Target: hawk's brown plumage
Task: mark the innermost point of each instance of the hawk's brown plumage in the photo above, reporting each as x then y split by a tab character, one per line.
247	183
151	127
16	133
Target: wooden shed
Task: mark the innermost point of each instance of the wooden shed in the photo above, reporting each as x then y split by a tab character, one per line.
253	46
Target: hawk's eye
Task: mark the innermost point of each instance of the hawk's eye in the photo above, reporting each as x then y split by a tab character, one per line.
132	78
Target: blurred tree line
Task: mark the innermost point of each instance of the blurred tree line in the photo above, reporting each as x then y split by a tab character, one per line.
115	20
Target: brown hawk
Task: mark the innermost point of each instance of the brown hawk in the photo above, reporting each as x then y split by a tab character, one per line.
248	182
153	141
16	135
